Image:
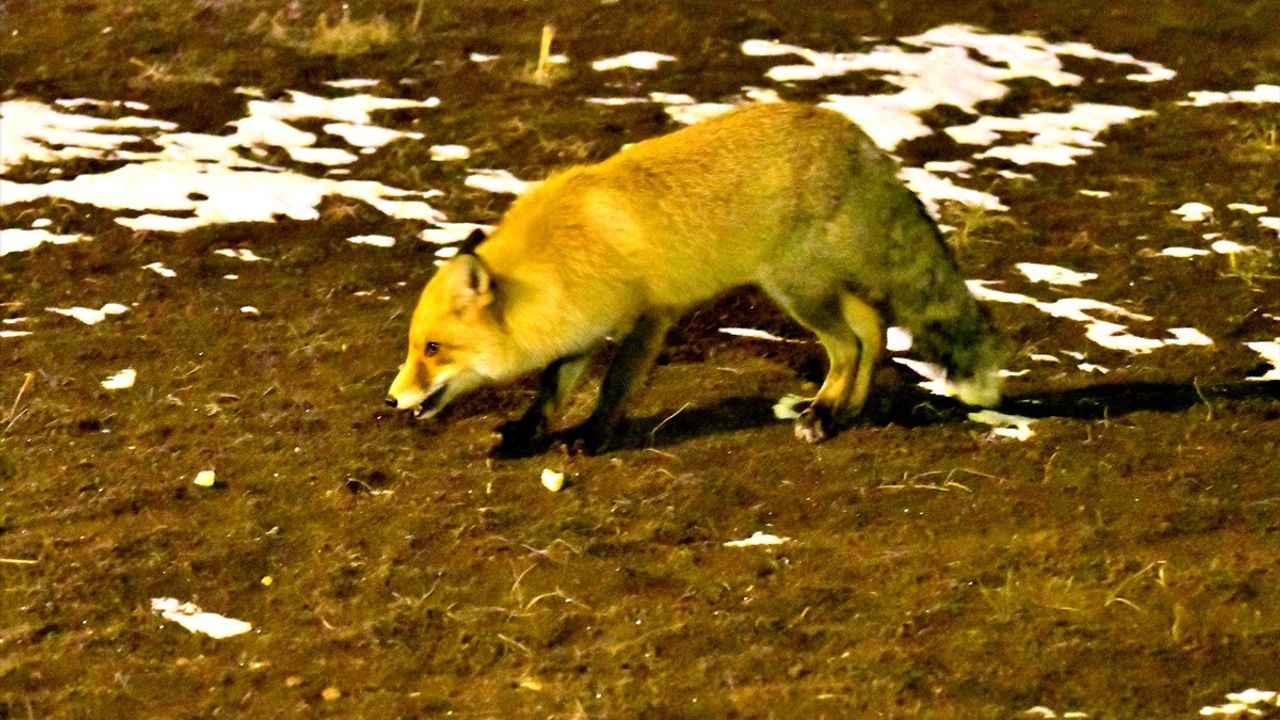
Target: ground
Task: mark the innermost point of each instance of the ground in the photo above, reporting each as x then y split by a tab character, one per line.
1120	563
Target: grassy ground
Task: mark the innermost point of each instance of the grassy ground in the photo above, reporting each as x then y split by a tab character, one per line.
1122	563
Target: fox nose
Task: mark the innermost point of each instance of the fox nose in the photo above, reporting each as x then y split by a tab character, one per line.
391	402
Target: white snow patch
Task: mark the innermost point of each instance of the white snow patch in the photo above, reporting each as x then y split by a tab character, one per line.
1230	247
448	153
758	538
1270	223
638	60
203	179
211	194
159	269
497	181
1183	252
196	620
932	189
89	316
352	83
1095	193
898	339
1270	352
1053	274
960	168
1056	138
1248	208
14	333
1108	334
948	71
697	112
121	380
1003	425
383	241
1193	212
36	132
366	136
244	254
1249	703
14	240
1260	94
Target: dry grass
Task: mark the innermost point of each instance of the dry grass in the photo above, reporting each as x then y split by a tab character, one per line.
344	38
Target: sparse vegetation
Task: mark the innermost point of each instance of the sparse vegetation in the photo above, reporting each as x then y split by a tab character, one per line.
1122	563
344	38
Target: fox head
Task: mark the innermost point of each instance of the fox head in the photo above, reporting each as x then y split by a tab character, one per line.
456	342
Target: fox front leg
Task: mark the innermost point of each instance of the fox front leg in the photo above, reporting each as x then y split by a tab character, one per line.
626	373
527	434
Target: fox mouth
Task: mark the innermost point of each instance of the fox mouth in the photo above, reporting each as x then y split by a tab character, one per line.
431	404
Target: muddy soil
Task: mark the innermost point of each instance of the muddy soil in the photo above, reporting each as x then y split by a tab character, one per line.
1122	562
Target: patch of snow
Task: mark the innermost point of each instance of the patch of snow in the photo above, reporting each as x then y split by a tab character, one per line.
121	380
366	136
638	60
89	316
1183	252
1260	94
352	83
448	153
758	538
196	620
497	181
1193	212
1270	352
1056	138
1230	247
244	254
159	269
697	112
898	339
14	240
383	241
1053	274
1016	427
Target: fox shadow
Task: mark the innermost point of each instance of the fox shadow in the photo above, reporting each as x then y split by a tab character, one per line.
908	406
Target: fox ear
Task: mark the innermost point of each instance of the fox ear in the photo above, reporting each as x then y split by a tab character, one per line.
468	245
471	282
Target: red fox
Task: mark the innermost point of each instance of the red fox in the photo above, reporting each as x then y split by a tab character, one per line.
791	198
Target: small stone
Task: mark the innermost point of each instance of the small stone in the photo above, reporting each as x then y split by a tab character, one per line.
552	480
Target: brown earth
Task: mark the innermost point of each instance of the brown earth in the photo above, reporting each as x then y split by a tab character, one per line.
1123	562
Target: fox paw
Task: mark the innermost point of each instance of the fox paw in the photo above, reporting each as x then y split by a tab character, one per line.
521	438
587	439
815	424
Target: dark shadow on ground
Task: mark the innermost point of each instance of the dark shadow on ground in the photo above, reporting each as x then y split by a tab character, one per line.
907	407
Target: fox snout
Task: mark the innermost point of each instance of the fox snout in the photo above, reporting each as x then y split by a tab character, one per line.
406	391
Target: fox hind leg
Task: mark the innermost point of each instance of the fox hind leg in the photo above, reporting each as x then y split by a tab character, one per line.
852	333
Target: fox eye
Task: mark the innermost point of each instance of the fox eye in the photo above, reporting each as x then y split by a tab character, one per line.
433	347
